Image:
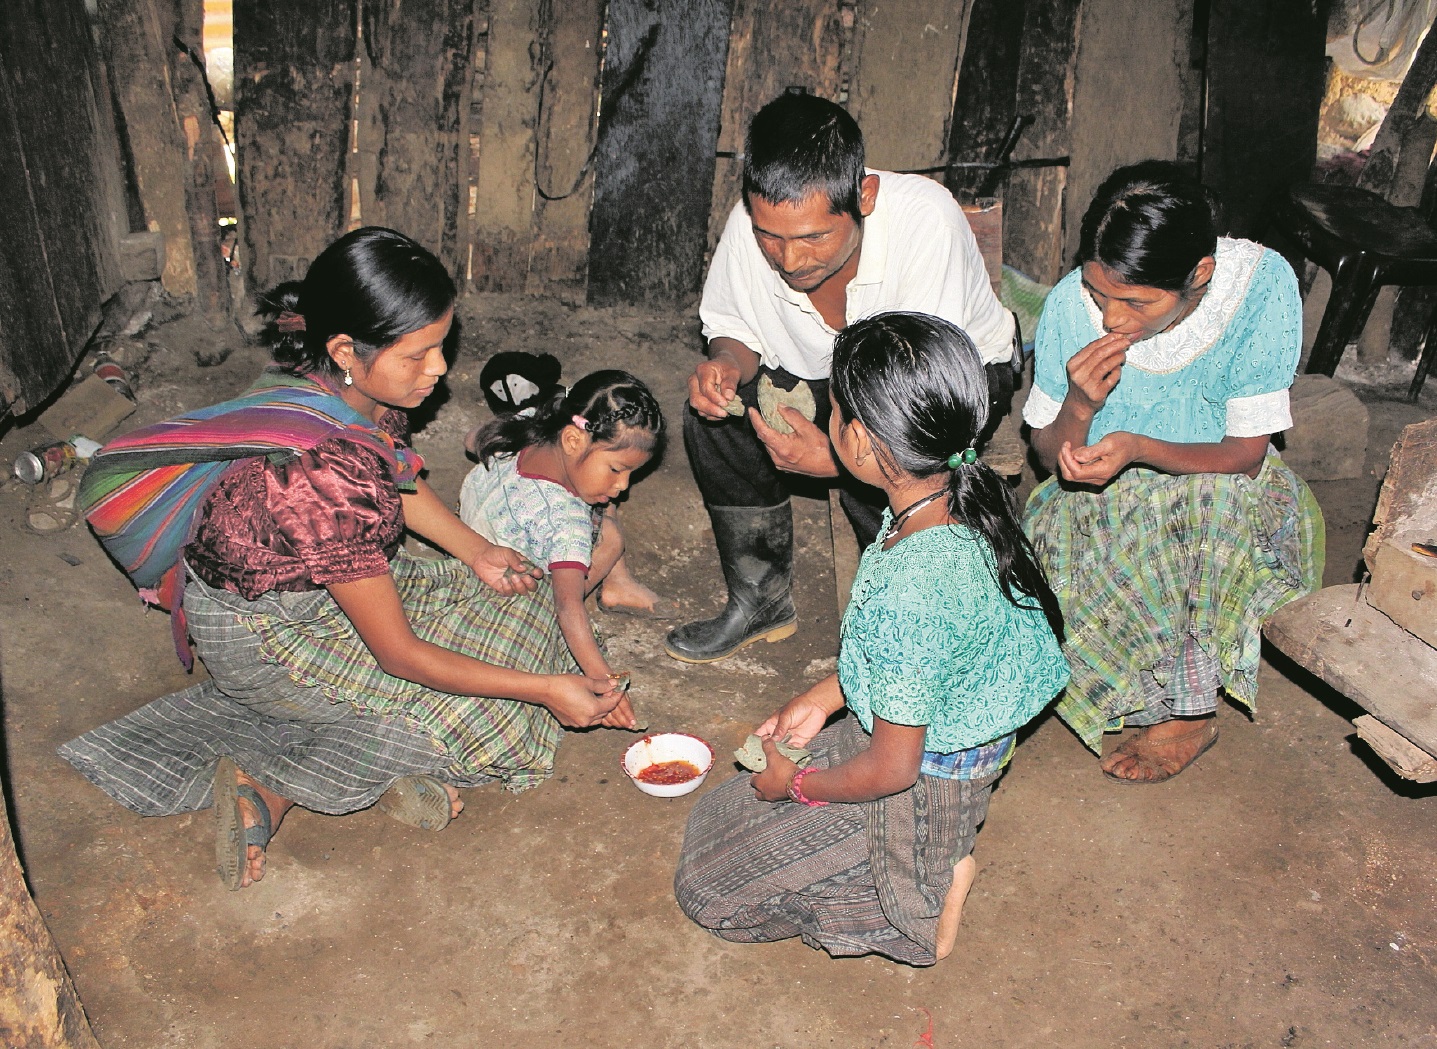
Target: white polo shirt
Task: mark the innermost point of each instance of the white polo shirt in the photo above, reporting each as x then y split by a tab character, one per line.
918	254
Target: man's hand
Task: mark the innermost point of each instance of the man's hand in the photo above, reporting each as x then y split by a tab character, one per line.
805	451
712	385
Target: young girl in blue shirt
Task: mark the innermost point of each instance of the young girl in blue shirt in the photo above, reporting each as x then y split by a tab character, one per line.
948	647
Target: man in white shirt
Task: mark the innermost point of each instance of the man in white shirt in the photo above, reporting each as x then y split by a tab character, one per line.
817	242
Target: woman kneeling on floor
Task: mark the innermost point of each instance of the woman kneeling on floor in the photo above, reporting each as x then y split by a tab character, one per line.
343	672
1172	529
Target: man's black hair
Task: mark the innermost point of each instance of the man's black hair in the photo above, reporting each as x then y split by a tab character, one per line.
799	144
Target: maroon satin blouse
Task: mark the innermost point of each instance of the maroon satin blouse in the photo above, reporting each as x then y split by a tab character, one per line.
331	516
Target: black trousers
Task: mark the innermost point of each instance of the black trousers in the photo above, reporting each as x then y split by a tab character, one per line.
732	467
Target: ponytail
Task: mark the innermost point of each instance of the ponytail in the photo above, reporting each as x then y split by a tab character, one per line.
984	502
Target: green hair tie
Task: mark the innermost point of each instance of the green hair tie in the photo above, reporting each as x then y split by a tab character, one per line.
967	457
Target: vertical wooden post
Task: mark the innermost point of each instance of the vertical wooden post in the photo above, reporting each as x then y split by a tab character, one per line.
1266	73
137	39
504	203
986	99
1033	200
571	56
294	86
653	182
201	140
901	90
798	43
414	122
64	198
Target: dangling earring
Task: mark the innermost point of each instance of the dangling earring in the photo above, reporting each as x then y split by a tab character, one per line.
348	379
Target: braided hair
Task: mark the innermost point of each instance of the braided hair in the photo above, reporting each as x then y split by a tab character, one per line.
617	409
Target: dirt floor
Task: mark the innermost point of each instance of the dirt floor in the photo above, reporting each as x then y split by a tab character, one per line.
1281	893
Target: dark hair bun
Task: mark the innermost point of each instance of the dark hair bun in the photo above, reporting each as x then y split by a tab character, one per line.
514	380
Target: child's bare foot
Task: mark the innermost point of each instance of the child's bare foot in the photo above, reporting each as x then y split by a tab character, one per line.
1159	752
622	593
964	871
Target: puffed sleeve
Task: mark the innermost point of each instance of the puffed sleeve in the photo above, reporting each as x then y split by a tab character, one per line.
1266	336
910	646
338	510
1057	339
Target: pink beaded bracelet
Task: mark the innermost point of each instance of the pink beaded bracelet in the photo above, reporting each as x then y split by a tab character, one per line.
795	791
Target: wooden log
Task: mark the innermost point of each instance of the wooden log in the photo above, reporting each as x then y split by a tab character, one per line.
905	59
568	124
414	123
1409	107
294	82
39	1008
1407	761
1365	656
1034	197
771	47
137	36
206	175
509	109
653	179
63	207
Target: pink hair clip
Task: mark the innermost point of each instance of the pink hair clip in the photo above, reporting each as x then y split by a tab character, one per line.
581	423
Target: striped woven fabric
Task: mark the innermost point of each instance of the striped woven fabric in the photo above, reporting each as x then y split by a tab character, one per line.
1152	561
142	492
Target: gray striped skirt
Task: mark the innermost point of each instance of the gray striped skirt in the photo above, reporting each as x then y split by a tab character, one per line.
297	701
850	879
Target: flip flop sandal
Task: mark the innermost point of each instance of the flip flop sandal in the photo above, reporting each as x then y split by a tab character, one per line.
1139	750
233	838
51	506
419	801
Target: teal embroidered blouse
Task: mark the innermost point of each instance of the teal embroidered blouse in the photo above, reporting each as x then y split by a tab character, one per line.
929	639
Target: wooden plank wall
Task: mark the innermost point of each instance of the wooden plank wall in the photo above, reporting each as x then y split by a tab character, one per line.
413	133
62	210
772	47
294	88
653	177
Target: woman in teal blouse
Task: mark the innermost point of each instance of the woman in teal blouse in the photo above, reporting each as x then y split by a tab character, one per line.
948	647
1171	529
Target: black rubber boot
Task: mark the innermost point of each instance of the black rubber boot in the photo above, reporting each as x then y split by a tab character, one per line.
755	548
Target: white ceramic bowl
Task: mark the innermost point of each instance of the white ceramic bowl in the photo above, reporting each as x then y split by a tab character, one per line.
668	746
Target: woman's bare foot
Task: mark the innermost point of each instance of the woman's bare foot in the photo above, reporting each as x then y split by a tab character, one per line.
277	806
456	803
1159	752
964	871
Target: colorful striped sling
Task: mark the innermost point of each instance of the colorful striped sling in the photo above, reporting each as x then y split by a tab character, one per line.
142	492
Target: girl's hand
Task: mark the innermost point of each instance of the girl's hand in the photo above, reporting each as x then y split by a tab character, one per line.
581	702
506	571
772	783
799	720
1094	371
1097	464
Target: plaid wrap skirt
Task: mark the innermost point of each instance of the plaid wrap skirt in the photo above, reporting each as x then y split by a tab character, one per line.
867	878
1156	570
297	699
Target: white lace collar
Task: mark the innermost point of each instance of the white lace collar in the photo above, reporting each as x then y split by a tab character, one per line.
1176	348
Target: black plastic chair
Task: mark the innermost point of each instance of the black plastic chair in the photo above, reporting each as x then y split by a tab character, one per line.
1366	243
